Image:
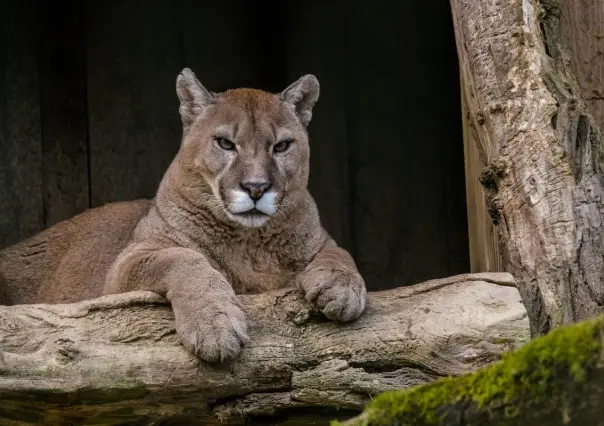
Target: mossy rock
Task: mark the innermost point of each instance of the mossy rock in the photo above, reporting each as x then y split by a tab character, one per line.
556	379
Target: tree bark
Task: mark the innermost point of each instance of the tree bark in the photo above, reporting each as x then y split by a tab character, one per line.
117	360
543	152
554	380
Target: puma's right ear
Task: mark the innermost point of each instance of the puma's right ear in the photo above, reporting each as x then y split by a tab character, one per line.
194	98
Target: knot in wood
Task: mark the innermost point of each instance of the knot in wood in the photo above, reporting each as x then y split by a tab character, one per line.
494	207
490	175
480	117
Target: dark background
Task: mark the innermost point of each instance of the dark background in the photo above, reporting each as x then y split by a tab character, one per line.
89	113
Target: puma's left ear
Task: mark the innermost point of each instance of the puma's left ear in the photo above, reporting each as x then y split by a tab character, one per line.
303	94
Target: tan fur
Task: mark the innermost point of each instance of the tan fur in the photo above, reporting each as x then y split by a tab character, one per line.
194	243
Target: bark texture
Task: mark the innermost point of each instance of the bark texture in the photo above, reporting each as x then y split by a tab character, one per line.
116	359
554	380
544	152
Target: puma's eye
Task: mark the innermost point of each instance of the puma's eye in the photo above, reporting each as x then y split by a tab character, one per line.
283	145
225	144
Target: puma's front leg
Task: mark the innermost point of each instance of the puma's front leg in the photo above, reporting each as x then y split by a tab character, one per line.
209	318
333	284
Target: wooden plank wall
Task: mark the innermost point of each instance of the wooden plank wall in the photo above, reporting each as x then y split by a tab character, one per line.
483	235
133	57
63	105
21	187
406	161
89	113
43	129
329	140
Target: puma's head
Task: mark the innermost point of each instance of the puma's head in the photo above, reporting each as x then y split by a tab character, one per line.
249	147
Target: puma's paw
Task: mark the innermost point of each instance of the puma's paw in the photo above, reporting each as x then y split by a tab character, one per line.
215	332
339	294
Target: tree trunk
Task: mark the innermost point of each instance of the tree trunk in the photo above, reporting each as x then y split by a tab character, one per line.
554	380
542	148
117	360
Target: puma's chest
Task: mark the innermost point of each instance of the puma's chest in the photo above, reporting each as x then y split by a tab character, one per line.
252	269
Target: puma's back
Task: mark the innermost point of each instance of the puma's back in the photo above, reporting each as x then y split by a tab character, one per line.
68	262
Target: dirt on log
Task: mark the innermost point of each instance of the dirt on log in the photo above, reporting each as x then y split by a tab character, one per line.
117	359
543	151
555	380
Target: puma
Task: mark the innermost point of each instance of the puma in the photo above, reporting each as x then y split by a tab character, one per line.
232	215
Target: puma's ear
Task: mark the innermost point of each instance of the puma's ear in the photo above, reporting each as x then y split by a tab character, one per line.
303	94
194	98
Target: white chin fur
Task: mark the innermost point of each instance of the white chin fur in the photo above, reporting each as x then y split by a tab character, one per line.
251	220
241	203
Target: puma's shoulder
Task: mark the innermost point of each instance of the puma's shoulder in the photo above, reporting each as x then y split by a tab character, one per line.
68	261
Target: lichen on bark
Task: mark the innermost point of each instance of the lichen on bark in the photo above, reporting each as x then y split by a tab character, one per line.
549	378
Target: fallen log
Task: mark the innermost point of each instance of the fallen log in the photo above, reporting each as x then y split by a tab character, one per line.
117	360
554	380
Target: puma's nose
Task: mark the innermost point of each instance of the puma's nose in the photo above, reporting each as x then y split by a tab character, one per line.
255	189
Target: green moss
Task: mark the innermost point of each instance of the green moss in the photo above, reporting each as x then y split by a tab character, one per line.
536	372
501	340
